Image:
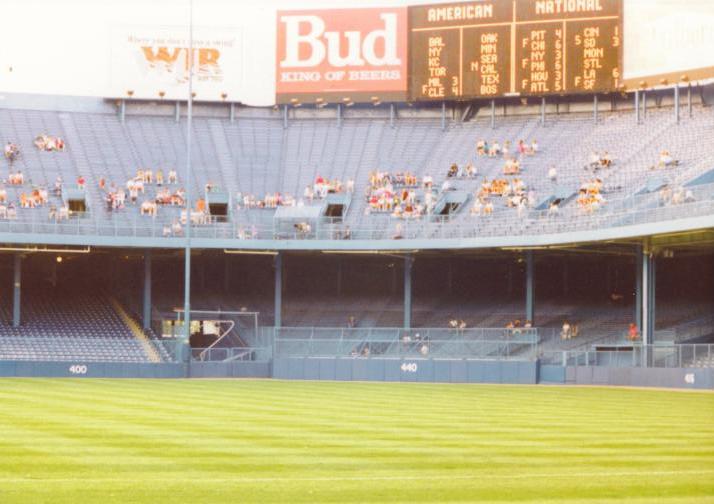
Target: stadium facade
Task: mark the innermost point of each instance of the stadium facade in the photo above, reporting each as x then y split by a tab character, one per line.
370	234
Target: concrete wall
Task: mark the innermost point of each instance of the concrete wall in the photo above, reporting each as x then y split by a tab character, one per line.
405	370
230	370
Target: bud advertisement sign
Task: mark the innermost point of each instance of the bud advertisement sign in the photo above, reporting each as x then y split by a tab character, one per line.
341	53
152	62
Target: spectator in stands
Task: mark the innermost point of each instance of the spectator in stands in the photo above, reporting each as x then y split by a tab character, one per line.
566	331
552	173
605	160
534	147
58	186
351	322
12	152
481	147
159	177
632	333
80	182
173	179
3	194
53	213
11	211
666	159
453	170
176	228
428	181
16	178
528	324
3	211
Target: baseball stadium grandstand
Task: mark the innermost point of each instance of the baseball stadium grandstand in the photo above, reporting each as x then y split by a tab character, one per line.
491	192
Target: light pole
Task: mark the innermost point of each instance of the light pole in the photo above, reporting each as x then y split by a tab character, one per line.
186	347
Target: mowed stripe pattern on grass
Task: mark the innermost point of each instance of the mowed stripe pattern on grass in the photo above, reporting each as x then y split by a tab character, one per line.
149	441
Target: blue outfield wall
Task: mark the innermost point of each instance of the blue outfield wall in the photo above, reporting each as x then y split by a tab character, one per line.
91	369
405	370
378	369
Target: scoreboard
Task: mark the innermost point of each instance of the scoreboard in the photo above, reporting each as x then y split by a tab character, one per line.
514	47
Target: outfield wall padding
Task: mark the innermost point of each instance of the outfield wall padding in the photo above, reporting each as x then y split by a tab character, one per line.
693	378
81	369
405	370
238	369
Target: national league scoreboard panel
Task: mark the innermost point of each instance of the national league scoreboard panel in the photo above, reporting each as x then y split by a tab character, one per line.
494	48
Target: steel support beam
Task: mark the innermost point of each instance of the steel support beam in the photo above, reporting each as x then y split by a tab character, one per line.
530	286
408	263
147	290
16	287
278	264
676	103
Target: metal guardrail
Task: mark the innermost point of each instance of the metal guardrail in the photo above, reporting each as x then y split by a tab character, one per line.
657	356
232	354
636	210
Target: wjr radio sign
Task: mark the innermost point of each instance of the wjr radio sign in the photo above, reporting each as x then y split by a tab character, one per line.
341	54
153	62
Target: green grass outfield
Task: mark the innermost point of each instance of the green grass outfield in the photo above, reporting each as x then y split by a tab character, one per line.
212	441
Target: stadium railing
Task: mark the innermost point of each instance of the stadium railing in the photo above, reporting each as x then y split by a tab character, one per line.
401	343
642	209
657	356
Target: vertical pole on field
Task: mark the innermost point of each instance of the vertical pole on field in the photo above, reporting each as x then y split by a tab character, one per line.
493	114
639	268
147	289
645	305
392	114
16	288
185	344
595	111
278	264
542	111
408	263
652	298
676	103
443	116
530	286
637	106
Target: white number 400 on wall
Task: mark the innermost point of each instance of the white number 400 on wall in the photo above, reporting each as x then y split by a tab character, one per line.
78	369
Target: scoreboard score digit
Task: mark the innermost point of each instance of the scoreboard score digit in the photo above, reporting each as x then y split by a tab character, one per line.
527	47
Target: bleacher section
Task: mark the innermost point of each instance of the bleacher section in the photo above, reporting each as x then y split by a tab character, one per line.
258	156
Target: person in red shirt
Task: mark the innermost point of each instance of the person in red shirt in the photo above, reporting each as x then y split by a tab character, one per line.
80	182
632	332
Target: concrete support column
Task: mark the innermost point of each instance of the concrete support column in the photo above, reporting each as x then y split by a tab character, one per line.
16	286
637	106
233	112
177	112
689	99
285	117
639	268
392	114
339	115
493	114
147	289
644	104
542	111
676	103
278	289
443	116
122	111
530	287
408	263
